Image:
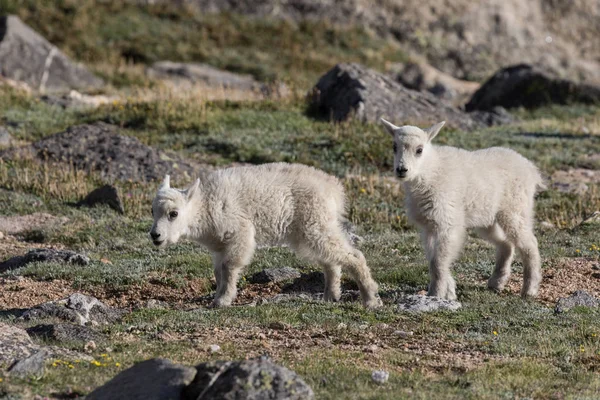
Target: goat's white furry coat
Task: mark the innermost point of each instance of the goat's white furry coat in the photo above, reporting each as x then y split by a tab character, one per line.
449	190
232	210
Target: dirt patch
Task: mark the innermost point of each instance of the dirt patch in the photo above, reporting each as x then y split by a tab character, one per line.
563	279
575	180
10	246
23	292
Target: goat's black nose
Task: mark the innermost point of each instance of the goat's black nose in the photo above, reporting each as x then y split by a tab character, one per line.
401	170
154	235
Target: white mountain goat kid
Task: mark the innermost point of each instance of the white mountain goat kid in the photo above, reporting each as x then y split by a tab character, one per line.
449	190
232	210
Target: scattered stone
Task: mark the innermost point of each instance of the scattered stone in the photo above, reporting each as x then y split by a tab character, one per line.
77	308
275	275
15	344
156	304
420	303
90	346
403	334
155	379
44	255
496	116
380	376
99	147
107	194
423	77
32	366
580	298
592	219
28	57
249	379
18	224
5	137
547	225
528	86
68	333
214	348
350	90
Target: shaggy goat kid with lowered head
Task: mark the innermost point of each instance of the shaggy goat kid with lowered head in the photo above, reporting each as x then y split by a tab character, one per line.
449	190
232	210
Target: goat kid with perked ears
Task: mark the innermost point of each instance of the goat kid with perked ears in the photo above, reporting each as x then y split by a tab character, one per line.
449	190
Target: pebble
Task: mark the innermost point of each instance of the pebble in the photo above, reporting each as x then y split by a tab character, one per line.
214	348
90	346
403	334
380	376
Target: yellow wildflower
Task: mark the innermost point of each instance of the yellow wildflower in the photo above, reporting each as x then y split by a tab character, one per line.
117	364
495	333
363	190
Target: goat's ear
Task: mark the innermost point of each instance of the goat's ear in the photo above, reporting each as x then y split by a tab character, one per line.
166	184
434	130
389	126
192	189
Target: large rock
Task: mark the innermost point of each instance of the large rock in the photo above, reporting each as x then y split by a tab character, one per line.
28	57
107	194
529	86
155	379
99	147
32	366
253	379
77	308
45	255
66	333
350	90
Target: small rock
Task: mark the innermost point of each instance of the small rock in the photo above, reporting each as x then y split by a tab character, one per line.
106	194
214	348
77	308
547	225
155	379
32	366
580	298
342	326
154	304
403	334
44	255
5	138
372	348
90	346
275	275
420	303
380	376
249	379
65	333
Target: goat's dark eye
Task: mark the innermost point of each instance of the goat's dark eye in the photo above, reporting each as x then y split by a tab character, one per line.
173	214
419	151
395	147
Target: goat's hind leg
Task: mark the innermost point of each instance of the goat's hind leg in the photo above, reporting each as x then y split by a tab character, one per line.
505	251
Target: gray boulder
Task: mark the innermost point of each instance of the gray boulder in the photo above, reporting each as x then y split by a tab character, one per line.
45	255
99	147
107	194
77	308
27	57
275	275
580	298
351	90
32	366
528	86
254	379
66	333
155	379
419	303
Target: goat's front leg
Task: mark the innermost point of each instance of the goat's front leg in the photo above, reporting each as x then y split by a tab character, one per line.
229	264
442	249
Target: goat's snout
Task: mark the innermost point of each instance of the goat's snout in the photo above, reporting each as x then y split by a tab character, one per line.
401	172
154	235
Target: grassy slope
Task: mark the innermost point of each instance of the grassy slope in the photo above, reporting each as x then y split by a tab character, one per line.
534	353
